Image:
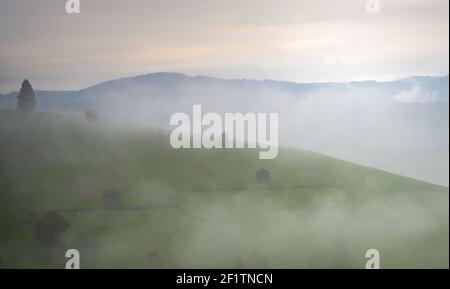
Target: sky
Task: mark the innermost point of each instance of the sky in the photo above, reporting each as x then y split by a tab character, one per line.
292	40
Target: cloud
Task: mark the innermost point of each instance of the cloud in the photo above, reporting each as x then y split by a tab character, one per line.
418	95
296	40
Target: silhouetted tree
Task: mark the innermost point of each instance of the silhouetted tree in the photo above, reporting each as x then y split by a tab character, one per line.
26	100
48	228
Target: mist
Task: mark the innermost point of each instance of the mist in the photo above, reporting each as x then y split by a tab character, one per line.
360	159
399	126
328	231
204	208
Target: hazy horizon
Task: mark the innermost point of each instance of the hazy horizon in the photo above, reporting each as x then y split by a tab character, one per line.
215	77
298	41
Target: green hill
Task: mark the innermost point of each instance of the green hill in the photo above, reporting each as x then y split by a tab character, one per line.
203	208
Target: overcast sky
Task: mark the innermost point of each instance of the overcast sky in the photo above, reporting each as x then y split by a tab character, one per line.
295	40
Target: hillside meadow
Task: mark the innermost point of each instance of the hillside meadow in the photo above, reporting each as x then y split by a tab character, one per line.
202	208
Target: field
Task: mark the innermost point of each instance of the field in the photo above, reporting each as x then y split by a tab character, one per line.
203	208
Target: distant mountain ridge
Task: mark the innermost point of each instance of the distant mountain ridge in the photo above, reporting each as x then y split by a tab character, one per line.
399	126
168	79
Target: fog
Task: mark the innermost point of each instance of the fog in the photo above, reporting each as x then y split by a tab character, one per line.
114	188
331	231
251	229
399	126
176	203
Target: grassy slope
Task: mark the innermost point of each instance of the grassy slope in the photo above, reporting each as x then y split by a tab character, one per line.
203	208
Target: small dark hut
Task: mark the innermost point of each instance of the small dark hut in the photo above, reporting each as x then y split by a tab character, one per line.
111	199
91	115
263	177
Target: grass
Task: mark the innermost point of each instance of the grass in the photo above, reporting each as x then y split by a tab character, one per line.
204	208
